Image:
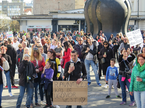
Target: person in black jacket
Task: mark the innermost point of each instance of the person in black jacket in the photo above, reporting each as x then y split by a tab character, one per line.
75	70
106	54
125	66
27	71
13	54
100	46
79	47
88	52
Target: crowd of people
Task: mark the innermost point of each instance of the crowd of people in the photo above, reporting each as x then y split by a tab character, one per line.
42	58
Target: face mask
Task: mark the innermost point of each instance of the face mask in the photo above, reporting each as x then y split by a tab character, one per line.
25	61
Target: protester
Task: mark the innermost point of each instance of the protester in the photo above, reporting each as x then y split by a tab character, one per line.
106	54
124	74
44	45
67	54
56	63
26	51
79	48
124	44
13	54
111	78
7	72
54	44
27	74
58	50
100	46
24	40
52	57
47	77
138	81
40	47
4	65
75	70
28	39
19	52
39	63
15	43
89	51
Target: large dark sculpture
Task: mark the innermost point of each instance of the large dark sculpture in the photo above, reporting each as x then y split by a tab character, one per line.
110	16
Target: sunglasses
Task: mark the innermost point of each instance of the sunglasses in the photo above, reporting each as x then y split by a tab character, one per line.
105	44
20	47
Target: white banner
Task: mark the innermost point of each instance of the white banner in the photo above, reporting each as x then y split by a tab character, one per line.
134	37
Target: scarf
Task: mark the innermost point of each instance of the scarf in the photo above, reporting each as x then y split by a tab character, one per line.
140	68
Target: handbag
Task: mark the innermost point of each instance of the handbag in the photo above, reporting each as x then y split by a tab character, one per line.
127	69
102	60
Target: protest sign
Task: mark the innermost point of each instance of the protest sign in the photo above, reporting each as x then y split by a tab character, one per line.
134	37
70	93
9	34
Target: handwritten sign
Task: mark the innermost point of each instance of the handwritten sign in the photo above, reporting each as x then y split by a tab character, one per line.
70	93
9	34
134	37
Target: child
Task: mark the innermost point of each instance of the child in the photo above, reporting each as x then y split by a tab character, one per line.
111	78
47	77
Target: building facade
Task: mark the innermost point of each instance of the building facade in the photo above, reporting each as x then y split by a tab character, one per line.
45	6
73	19
137	19
11	8
55	21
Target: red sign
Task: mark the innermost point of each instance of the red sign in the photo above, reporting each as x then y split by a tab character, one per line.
39	29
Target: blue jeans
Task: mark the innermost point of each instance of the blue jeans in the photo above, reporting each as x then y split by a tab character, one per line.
8	80
123	88
139	97
94	67
29	95
35	89
1	90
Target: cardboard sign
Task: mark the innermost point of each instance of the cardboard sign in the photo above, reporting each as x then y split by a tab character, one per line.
70	93
9	34
135	37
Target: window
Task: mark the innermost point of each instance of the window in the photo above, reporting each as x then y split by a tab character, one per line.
5	6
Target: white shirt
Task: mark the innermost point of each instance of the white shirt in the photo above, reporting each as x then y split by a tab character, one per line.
15	45
53	46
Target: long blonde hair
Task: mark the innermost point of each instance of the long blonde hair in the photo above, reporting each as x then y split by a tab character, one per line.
35	49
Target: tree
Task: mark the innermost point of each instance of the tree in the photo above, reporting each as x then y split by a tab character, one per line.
4	23
14	26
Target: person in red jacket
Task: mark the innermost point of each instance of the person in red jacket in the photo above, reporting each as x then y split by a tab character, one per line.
67	53
39	63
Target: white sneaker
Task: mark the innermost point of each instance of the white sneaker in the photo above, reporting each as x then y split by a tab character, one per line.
43	103
56	106
106	86
10	94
